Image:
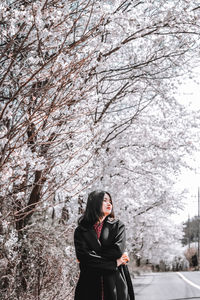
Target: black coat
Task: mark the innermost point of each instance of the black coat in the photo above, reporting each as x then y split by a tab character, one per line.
98	263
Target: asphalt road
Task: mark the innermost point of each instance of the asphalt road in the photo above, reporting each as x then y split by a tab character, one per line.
167	286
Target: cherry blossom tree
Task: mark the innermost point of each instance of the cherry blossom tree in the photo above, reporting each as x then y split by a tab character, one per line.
46	137
87	102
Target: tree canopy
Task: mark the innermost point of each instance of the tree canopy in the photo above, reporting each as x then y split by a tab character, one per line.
87	101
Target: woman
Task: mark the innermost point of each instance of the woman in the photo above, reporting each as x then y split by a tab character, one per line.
100	244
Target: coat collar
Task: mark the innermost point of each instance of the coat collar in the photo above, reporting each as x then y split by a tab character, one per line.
107	220
91	237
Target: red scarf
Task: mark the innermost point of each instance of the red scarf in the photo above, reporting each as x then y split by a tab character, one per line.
97	227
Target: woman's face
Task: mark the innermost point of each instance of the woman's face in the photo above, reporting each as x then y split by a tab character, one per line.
107	205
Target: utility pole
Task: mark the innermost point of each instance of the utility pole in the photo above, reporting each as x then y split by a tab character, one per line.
188	231
199	228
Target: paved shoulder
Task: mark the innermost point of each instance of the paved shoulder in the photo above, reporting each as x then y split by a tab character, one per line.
192	278
166	286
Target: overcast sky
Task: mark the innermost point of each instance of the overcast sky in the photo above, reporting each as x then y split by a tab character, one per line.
189	95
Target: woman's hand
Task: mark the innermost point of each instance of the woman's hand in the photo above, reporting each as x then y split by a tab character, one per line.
120	261
126	257
123	259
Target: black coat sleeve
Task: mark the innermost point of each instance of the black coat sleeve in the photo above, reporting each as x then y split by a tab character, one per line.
89	257
117	248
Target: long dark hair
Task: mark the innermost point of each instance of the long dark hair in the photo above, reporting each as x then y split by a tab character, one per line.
93	211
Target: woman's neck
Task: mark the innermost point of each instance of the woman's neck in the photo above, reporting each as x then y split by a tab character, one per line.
102	219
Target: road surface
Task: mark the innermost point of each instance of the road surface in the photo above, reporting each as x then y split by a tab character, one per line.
167	286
